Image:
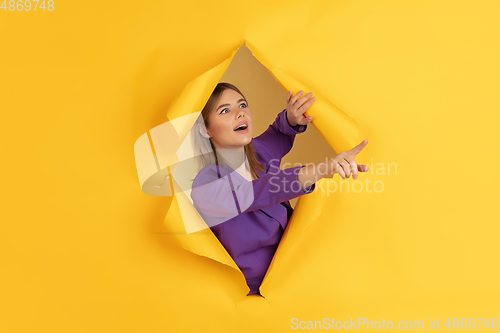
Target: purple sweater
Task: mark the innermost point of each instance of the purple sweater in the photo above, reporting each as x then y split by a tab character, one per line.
249	218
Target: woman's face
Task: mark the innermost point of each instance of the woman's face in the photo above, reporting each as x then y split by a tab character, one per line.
231	110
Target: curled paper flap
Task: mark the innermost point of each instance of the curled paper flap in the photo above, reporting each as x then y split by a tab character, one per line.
189	103
164	159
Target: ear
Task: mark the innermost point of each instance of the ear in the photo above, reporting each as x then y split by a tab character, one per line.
203	131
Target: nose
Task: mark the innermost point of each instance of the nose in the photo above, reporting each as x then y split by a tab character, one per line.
241	113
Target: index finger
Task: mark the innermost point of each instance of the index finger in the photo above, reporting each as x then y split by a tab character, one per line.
356	150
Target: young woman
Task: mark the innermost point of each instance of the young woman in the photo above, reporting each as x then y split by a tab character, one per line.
240	190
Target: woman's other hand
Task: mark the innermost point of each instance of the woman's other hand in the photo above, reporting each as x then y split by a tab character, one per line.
297	106
345	165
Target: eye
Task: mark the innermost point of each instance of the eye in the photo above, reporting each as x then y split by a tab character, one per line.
242	104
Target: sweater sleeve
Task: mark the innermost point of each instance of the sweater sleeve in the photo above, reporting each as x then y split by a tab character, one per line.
231	194
281	134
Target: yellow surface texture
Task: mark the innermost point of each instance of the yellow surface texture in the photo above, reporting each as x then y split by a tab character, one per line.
416	238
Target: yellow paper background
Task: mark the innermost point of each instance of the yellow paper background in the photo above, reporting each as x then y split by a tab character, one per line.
84	249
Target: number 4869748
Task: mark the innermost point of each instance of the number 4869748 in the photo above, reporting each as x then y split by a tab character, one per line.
25	5
471	323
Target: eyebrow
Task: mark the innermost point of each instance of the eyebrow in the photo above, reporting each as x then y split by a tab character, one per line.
240	100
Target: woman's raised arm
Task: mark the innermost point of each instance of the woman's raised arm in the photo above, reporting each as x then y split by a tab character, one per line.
219	199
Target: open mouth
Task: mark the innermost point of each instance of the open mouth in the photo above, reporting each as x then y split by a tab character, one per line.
242	127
